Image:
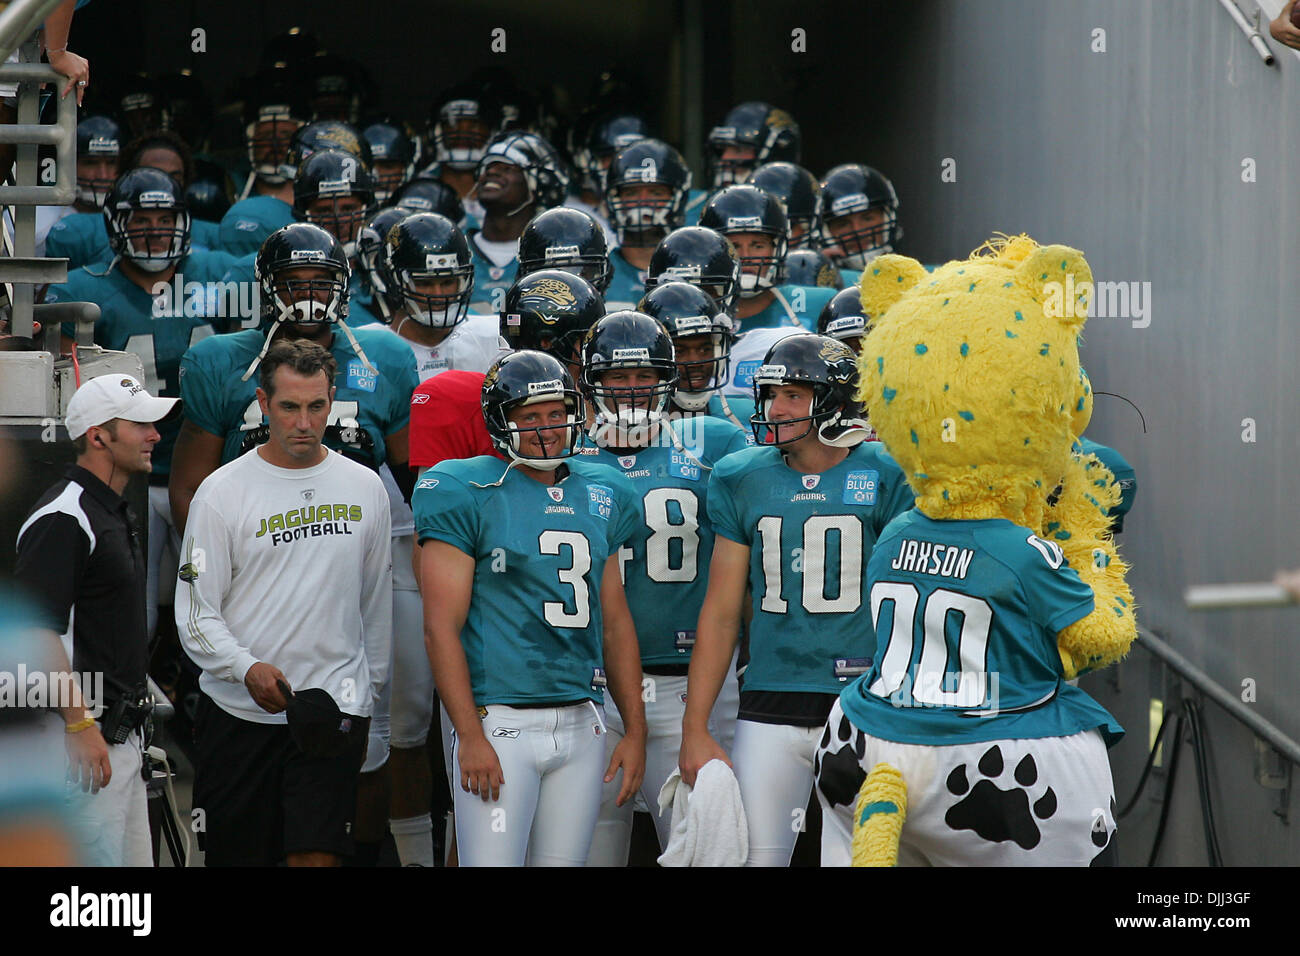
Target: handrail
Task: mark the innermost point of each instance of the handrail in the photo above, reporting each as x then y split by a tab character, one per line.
20	20
1202	681
62	135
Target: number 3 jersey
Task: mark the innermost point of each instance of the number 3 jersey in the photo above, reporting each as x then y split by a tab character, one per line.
368	407
809	536
665	565
533	633
966	616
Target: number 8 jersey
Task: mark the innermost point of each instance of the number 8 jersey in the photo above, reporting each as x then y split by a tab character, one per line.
809	536
966	616
533	633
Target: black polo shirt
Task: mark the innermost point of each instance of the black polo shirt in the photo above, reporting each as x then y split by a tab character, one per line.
81	564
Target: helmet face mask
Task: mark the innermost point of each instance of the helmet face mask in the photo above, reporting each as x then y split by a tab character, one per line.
98	149
461	134
859	216
646	188
754	221
827	368
702	257
268	139
617	353
751	134
290	294
544	176
701	335
147	221
421	252
307	301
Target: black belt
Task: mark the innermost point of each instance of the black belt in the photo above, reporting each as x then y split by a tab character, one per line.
560	703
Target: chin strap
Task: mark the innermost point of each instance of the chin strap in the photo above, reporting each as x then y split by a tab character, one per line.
731	416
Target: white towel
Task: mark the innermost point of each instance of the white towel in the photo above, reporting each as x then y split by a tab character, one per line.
709	826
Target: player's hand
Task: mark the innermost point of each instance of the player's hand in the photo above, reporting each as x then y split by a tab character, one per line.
630	756
88	764
262	681
480	769
1283	30
697	750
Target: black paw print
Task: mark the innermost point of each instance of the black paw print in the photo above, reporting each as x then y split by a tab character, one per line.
995	814
839	774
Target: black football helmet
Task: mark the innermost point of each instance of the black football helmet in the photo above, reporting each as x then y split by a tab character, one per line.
772	133
140	105
394	153
568	239
527	378
842	318
801	193
309	301
550	310
461	123
853	188
428	246
332	175
641	222
423	194
139	189
370	258
604	136
687	311
831	369
627	416
702	257
337	88
323	134
809	267
206	199
97	137
544	171
274	110
747	209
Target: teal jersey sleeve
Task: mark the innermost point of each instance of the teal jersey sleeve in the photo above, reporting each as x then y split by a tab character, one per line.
723	507
248	222
205	235
966	615
445	511
81	238
204	368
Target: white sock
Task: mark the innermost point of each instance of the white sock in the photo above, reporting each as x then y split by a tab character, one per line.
414	839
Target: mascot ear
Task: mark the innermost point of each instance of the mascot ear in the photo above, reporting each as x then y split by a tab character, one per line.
1061	279
885	279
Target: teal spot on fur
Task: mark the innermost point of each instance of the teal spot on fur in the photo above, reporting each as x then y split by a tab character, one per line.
1006	285
945	386
1043	276
1062	406
1121	600
915	440
880	364
1064	263
972	287
1062	536
900	278
973	467
1038	483
889	393
1012	335
1079	407
945	301
875	272
1053	526
961	272
879	806
1019	317
966	415
1118	612
1100	482
1093	500
921	348
945	494
965	348
921	475
1044	350
1026	441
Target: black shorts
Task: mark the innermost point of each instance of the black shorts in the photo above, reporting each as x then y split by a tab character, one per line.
261	798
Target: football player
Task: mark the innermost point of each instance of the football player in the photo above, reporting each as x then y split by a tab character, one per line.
395	153
646	189
526	622
842	318
810	267
370	261
519	176
569	239
148	226
794	520
628	376
751	134
800	192
98	150
596	138
859	218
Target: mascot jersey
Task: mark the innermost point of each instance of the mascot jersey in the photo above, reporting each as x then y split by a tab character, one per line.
533	634
367	408
809	536
966	616
157	329
665	564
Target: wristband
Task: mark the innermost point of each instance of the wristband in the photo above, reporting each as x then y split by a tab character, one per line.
79	726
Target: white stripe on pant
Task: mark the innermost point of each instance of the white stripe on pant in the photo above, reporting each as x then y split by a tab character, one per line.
553	763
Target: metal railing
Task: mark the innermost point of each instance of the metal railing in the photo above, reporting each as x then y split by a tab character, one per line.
19	20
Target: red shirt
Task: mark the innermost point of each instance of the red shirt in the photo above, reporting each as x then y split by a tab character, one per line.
447	419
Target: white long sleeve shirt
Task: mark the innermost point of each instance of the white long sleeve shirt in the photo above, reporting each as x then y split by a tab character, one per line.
293	567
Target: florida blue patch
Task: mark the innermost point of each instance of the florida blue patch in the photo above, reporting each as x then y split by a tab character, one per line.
360	377
860	487
602	500
745	373
683	465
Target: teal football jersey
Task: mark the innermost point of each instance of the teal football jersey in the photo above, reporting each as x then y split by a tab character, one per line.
248	222
157	329
627	287
665	564
809	536
533	634
851	277
1124	475
360	303
81	238
367	408
732	409
802	305
695	200
204	234
490	281
966	616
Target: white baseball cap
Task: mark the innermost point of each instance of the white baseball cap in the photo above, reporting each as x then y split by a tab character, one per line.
115	396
